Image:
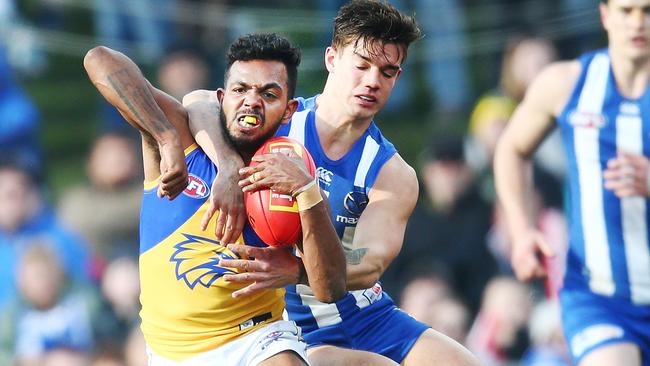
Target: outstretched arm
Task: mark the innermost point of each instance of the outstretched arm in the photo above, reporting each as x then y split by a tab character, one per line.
530	123
120	81
204	109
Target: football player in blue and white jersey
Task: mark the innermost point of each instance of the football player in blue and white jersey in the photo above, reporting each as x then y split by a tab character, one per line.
371	191
601	103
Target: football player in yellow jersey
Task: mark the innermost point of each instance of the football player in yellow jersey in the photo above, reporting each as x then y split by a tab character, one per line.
189	314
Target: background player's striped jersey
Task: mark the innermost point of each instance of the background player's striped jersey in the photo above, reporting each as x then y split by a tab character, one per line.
608	249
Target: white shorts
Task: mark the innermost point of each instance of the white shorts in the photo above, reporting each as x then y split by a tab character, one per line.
248	350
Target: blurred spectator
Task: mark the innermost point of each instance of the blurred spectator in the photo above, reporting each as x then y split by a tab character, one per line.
523	59
19	120
119	307
135	27
429	299
444	47
449	226
19	41
422	293
106	209
548	347
51	313
183	71
135	349
64	357
451	317
499	333
25	219
108	357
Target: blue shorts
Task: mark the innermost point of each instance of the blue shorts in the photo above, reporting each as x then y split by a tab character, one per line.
380	328
591	321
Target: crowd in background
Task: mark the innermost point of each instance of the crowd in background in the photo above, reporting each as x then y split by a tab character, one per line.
68	269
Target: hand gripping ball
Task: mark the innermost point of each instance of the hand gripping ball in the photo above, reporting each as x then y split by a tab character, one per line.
274	216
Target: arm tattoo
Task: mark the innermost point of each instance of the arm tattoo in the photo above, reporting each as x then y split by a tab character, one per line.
354	256
139	96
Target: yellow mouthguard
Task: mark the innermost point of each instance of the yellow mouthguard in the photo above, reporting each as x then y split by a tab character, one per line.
250	120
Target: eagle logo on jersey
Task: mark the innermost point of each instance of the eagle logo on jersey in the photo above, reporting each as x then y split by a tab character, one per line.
197	261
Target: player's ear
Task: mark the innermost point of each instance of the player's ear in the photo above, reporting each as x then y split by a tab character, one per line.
288	112
330	55
602	7
398	74
220	93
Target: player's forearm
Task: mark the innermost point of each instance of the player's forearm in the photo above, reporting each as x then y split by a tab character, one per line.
512	180
204	110
323	257
120	81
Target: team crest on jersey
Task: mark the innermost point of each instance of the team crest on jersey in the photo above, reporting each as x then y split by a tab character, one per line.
197	261
355	202
587	119
196	187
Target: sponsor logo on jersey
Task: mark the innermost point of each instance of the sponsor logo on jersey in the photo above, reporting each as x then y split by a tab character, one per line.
324	175
196	187
197	260
630	109
587	119
355	202
347	220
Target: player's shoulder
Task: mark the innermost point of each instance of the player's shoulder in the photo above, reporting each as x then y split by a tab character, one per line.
553	87
560	74
396	174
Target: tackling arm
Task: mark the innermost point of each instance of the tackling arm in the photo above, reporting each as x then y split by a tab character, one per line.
380	231
204	109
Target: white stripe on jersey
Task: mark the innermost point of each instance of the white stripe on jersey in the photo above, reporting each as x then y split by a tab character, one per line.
633	212
587	153
324	314
370	150
297	129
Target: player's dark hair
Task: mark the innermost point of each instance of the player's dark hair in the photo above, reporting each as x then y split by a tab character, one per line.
368	21
266	46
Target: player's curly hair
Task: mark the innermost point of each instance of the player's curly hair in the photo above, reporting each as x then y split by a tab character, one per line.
266	46
368	21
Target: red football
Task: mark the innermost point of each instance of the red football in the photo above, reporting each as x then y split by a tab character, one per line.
274	216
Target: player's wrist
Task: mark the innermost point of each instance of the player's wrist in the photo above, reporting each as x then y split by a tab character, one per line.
308	196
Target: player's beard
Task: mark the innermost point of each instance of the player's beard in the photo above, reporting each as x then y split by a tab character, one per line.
246	146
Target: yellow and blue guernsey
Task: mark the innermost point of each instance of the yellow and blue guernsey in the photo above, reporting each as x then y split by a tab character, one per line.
187	307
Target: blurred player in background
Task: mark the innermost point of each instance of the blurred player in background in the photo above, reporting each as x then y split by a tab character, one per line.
600	102
189	315
371	191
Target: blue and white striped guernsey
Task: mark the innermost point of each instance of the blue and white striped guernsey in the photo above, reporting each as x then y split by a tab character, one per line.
347	182
609	249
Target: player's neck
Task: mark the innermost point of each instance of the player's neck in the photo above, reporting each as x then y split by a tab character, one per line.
337	130
632	75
